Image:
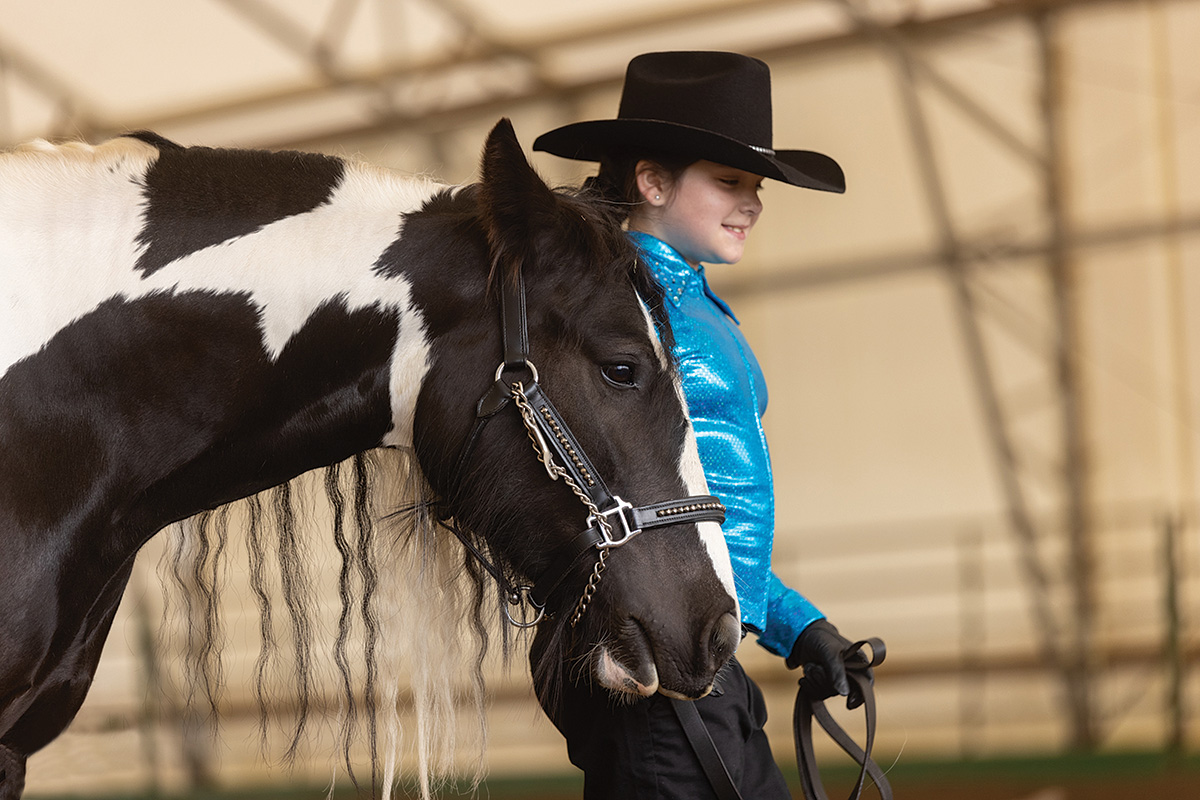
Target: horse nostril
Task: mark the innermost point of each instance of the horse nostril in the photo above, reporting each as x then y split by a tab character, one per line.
725	637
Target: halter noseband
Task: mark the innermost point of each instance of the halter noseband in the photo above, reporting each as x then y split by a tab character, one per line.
611	521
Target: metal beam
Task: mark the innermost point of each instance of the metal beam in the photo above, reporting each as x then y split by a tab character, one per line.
337	24
983	255
5	102
1072	662
915	31
480	53
485	50
286	32
72	106
1080	667
97	717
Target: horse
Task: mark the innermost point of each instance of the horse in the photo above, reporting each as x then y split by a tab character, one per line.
184	327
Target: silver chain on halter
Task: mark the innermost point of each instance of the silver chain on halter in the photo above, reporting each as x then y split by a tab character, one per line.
555	471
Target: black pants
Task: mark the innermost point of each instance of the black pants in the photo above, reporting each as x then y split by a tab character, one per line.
638	751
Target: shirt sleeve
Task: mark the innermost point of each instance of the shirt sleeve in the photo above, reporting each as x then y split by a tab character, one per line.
788	614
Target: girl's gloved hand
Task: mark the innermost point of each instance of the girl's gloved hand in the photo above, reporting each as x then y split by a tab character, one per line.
819	648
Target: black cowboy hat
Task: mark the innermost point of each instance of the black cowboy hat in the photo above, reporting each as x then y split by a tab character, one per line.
715	106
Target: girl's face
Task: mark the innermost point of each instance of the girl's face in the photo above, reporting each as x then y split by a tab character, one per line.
705	214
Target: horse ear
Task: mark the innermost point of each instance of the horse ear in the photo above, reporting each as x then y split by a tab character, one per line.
514	201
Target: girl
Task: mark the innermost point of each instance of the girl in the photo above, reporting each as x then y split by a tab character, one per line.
686	157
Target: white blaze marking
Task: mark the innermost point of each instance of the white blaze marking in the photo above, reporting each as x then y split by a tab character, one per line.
710	532
692	473
69	220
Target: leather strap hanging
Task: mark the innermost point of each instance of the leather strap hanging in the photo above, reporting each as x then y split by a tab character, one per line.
810	703
705	750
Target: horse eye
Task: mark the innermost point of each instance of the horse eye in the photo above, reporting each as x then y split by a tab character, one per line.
620	375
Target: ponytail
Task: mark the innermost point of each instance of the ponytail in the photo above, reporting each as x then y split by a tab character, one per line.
616	182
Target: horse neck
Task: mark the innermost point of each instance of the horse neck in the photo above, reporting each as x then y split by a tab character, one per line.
278	351
345	345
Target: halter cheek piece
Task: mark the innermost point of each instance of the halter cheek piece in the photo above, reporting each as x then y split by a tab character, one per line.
611	521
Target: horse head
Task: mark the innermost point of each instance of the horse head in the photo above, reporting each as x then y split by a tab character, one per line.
661	613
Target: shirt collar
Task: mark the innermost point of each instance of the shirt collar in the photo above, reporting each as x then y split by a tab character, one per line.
674	273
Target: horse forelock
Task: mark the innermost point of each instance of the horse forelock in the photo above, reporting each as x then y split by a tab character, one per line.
602	233
581	241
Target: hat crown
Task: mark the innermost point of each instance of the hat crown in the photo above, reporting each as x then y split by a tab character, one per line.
725	93
701	105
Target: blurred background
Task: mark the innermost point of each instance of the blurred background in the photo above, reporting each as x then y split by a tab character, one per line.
984	358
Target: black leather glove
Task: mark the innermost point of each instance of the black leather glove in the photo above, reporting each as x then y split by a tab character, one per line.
819	648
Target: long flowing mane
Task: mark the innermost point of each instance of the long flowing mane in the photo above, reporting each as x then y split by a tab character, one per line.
405	599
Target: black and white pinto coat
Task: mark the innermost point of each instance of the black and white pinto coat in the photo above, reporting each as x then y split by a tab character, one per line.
184	327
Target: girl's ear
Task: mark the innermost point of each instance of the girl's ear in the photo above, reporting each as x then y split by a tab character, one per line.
651	182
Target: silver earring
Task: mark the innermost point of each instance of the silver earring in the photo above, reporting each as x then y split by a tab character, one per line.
657	197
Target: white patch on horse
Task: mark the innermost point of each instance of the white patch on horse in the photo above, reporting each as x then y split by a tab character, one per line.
710	532
69	219
659	350
410	362
68	242
692	473
615	675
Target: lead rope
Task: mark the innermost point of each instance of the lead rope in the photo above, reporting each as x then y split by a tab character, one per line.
810	704
517	391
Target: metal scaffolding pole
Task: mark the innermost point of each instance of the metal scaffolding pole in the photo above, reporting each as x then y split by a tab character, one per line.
1079	668
1070	655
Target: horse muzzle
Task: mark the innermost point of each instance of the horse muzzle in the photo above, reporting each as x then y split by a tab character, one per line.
643	659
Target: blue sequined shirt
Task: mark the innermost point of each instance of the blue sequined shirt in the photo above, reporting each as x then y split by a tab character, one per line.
727	396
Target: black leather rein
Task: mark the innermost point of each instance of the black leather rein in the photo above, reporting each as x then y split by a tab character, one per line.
810	704
611	521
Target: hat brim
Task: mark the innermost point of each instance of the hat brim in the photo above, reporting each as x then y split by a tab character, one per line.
596	139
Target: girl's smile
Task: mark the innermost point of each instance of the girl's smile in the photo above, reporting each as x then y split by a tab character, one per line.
705	214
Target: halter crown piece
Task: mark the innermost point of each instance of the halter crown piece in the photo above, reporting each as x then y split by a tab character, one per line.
710	105
610	522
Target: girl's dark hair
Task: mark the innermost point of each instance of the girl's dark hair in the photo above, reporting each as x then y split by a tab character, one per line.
617	180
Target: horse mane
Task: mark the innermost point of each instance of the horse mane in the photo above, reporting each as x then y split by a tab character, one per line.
587	222
396	573
607	219
396	569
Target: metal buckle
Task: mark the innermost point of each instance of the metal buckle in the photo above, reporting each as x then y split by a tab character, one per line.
519	596
532	370
624	512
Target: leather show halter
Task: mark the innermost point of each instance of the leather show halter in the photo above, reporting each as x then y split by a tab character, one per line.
611	521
